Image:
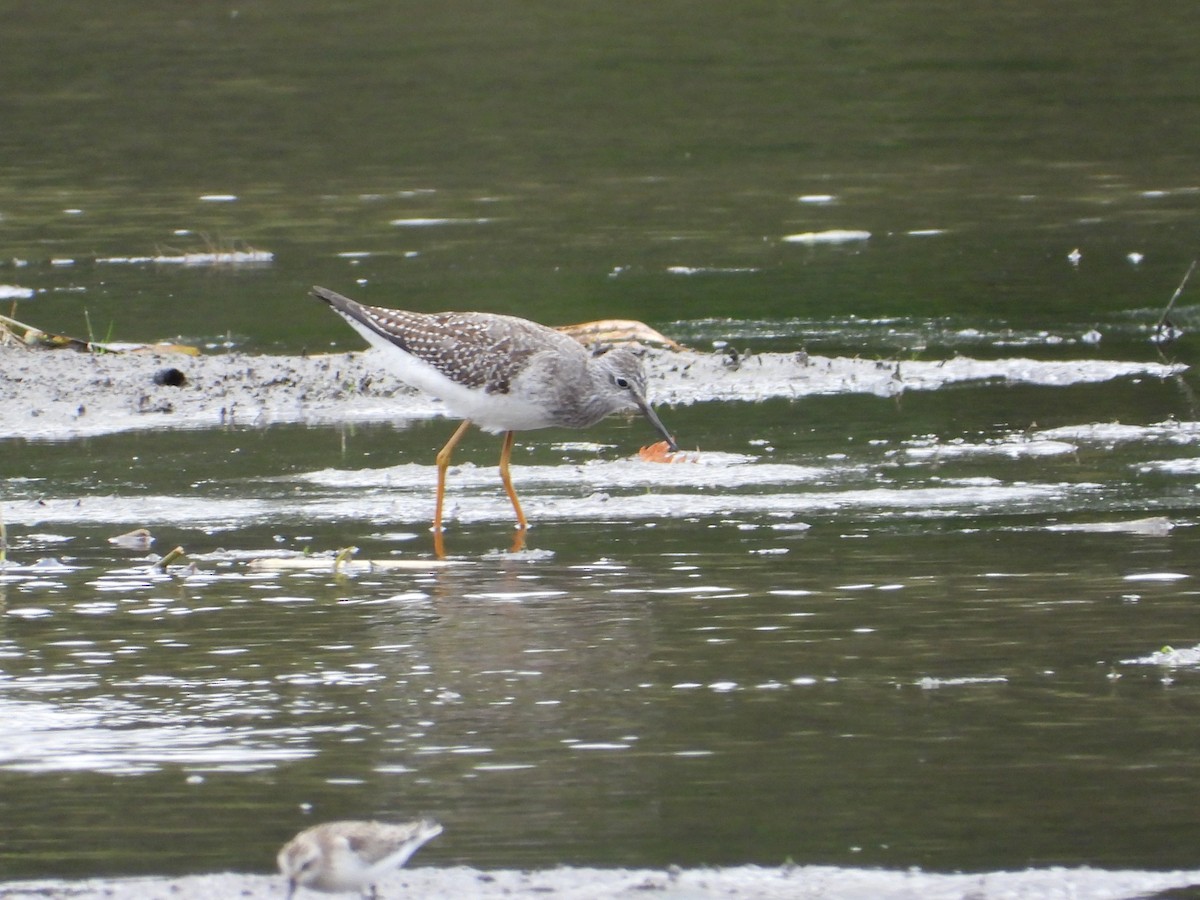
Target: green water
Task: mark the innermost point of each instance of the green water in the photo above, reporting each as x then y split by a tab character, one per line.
696	688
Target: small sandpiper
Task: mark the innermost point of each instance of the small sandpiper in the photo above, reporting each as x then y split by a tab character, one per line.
503	373
351	856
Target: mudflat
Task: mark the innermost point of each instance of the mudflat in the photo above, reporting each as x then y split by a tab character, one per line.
62	394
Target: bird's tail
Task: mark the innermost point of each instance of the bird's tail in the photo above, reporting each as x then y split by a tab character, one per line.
336	300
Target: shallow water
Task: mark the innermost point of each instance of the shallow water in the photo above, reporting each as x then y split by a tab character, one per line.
777	645
900	621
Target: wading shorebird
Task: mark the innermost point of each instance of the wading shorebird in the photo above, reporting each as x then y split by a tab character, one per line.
351	856
502	373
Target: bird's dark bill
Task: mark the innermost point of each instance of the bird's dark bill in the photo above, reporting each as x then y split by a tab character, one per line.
649	413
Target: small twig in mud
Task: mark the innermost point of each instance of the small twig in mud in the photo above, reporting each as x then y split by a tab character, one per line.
169	558
32	336
35	336
1164	331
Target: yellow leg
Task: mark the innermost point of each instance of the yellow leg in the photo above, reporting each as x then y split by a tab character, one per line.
518	543
505	454
443	463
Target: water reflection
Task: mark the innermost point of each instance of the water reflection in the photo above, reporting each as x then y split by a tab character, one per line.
123	737
690	676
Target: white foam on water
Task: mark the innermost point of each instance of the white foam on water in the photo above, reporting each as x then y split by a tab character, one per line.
831	236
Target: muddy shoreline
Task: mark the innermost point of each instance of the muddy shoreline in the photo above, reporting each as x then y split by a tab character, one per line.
742	882
64	394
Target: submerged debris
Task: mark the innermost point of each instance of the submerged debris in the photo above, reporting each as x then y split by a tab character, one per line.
1185	657
1153	526
212	258
662	453
139	539
340	565
171	557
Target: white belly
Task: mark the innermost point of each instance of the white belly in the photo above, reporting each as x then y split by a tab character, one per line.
491	412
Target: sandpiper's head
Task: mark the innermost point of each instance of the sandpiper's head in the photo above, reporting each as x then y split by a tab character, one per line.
299	861
625	386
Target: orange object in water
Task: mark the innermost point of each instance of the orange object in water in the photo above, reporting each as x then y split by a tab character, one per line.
662	453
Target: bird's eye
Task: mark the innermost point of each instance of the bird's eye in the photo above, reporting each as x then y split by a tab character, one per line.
621	382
